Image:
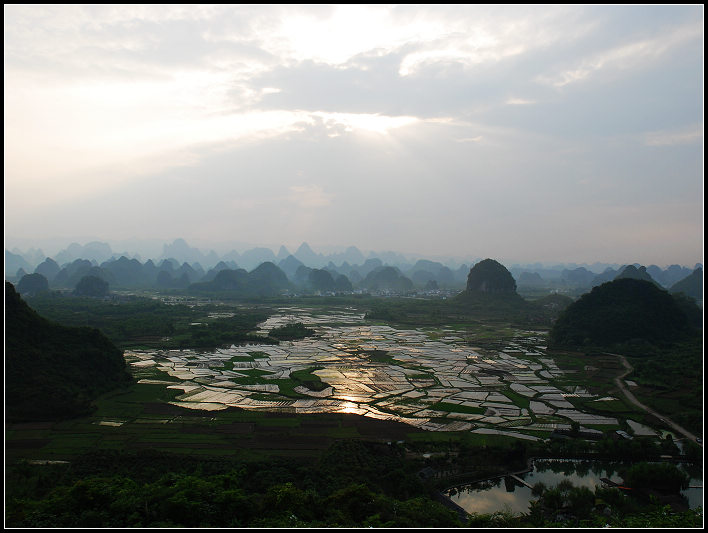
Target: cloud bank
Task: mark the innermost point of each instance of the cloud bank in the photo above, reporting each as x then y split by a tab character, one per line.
558	133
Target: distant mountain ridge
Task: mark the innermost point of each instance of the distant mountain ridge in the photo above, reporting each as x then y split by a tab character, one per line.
183	252
692	285
192	265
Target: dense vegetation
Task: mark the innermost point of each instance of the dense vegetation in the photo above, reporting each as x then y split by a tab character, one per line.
620	312
351	483
671	380
136	322
663	476
52	371
221	332
467	308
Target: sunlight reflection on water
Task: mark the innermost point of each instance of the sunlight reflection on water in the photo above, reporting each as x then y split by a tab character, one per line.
410	376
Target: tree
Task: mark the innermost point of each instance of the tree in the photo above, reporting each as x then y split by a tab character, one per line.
660	476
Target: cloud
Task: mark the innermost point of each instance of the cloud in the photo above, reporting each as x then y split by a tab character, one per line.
519	101
309	196
626	56
437	119
689	135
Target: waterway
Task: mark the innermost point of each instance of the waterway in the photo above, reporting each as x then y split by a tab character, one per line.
505	494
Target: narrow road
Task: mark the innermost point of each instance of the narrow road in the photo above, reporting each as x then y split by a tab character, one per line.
619	380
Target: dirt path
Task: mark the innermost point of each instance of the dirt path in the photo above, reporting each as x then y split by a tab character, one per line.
619	381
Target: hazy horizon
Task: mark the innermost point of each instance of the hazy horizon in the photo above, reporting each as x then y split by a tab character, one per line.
155	250
552	134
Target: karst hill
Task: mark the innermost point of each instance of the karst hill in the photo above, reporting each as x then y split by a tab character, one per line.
491	292
622	311
490	277
490	282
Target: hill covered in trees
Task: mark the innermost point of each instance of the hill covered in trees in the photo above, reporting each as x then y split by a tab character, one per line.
491	288
387	278
54	371
622	311
490	276
265	280
33	284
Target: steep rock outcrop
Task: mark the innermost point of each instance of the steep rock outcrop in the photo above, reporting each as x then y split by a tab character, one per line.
490	276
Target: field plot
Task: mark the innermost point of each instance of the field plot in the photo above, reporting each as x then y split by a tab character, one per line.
432	382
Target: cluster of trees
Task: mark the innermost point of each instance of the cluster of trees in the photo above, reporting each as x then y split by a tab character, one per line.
291	332
222	332
353	484
664	477
671	379
136	322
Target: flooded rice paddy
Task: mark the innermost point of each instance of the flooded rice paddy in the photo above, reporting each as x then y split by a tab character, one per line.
432	380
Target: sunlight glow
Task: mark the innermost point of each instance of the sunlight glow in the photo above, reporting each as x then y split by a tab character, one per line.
364	121
350	407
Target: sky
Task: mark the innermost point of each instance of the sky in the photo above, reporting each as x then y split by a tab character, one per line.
520	133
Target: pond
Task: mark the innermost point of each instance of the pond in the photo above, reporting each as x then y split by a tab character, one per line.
506	494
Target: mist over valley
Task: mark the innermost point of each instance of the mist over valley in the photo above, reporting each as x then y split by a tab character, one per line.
353	266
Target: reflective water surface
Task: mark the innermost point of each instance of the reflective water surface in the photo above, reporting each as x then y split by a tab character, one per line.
505	494
430	379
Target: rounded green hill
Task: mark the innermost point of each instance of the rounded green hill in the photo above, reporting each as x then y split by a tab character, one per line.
621	311
490	276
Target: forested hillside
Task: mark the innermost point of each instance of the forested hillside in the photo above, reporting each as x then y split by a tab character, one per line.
622	311
53	371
